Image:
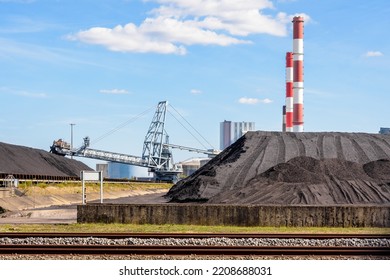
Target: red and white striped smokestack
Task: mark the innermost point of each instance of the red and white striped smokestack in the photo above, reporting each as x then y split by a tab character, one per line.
284	119
298	73
289	92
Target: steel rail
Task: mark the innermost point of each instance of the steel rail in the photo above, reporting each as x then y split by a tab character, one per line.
192	250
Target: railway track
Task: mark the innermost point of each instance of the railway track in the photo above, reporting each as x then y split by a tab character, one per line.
62	249
117	235
192	250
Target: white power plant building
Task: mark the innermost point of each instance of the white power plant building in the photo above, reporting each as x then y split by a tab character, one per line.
231	131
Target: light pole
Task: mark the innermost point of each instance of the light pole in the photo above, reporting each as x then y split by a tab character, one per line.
71	139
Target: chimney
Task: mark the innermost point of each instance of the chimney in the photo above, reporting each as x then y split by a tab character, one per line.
298	74
289	92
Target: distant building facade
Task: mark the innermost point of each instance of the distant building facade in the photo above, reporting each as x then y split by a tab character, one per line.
231	131
384	130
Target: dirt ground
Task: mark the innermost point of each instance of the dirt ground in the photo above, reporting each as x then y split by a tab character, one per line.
63	211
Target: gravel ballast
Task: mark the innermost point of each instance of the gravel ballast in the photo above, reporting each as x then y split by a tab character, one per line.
339	242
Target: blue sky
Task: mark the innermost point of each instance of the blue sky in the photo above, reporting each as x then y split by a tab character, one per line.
99	64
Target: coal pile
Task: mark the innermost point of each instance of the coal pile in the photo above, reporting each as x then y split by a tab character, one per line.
308	181
16	159
324	168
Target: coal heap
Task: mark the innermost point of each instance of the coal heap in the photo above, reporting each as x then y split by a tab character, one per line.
323	168
29	161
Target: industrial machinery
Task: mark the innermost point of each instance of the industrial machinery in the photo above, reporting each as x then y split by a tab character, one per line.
156	153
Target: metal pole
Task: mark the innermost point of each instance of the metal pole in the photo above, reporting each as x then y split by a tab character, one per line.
71	139
101	186
83	189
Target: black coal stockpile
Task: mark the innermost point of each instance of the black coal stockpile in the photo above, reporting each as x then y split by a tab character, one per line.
326	168
29	161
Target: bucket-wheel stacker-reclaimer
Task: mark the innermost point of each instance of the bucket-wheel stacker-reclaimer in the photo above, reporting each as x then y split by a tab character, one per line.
156	154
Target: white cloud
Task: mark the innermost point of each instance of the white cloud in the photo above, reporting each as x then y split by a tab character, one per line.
236	17
176	24
266	101
196	91
114	91
373	53
126	39
252	101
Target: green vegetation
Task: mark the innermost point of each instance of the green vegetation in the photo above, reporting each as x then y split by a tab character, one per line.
40	188
143	185
131	228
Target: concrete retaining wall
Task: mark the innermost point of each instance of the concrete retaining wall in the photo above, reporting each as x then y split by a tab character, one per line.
238	215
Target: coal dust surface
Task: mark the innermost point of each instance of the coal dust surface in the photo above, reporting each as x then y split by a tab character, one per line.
327	168
16	159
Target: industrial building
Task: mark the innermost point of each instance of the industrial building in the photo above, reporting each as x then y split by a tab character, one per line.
191	165
231	131
116	170
384	130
